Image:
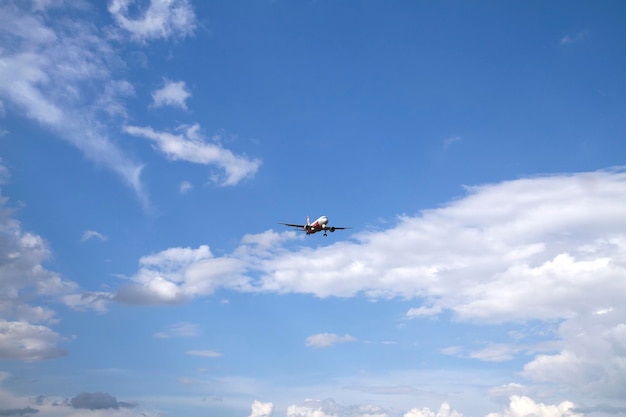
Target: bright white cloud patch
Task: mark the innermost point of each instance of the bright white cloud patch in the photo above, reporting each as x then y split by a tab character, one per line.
322	340
260	409
173	93
444	411
189	145
525	407
159	19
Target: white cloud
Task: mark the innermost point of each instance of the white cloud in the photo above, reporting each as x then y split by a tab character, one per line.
92	234
423	311
176	274
23	282
191	146
329	408
28	342
260	409
160	19
525	407
173	93
96	301
444	411
547	249
322	340
204	353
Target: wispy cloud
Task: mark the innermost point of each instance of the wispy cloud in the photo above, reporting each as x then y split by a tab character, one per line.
173	93
184	187
569	39
92	234
323	340
191	146
48	70
182	329
451	140
204	353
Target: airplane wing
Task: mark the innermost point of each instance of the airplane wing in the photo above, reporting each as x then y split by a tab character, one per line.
301	226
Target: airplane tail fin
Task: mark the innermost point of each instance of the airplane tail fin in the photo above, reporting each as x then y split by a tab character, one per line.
308	222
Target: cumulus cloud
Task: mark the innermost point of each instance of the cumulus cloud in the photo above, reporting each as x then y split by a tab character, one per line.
189	145
28	342
173	93
444	411
24	334
521	406
322	340
260	409
329	408
177	274
159	19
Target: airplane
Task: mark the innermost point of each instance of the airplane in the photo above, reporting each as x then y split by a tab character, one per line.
321	224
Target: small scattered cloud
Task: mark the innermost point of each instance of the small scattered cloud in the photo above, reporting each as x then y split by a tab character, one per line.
204	353
182	329
451	140
324	340
97	401
569	39
92	234
173	93
96	301
260	409
184	187
160	19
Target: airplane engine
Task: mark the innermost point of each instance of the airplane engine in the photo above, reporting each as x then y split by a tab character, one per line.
332	229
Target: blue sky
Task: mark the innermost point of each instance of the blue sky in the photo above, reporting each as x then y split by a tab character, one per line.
149	150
